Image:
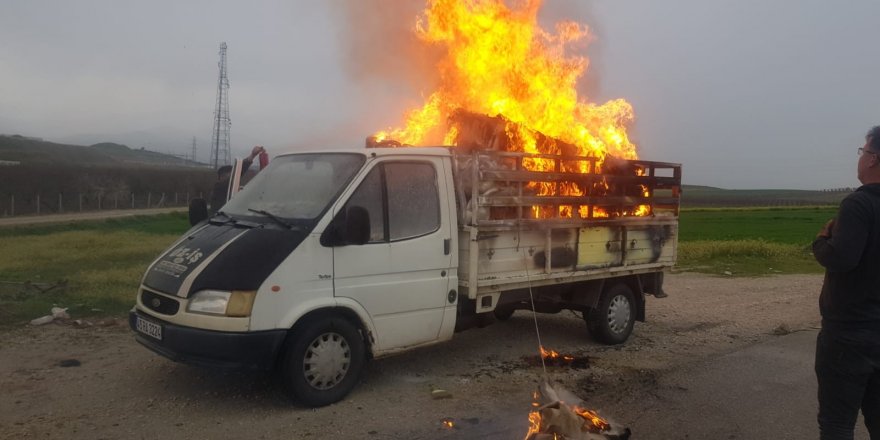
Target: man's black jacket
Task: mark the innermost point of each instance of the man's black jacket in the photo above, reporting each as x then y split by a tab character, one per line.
221	188
850	298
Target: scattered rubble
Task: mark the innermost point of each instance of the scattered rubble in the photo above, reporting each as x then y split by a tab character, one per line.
56	313
437	393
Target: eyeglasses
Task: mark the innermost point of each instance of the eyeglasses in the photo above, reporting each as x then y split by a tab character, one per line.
862	150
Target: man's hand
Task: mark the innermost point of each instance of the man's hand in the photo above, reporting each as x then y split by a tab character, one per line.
826	230
256	151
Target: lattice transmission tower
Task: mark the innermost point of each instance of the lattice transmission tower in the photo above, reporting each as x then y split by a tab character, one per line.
220	154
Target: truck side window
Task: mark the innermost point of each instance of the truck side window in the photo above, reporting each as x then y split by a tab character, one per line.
412	204
413	200
369	195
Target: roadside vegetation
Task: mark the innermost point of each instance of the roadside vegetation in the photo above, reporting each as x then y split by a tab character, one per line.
97	265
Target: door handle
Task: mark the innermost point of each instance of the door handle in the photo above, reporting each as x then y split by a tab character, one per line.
447	246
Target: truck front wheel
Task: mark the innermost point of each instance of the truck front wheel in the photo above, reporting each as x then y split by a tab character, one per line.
611	321
323	361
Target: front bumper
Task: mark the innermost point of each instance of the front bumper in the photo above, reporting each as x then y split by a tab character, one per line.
209	348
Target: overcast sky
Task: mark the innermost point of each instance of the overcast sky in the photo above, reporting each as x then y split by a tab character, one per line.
743	93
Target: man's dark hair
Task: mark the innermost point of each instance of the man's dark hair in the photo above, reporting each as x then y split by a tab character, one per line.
873	138
225	169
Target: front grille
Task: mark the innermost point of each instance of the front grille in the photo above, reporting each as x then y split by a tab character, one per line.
159	303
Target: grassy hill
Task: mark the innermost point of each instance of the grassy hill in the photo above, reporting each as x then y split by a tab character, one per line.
30	151
707	196
45	177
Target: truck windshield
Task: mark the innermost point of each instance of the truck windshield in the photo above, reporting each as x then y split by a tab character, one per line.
298	186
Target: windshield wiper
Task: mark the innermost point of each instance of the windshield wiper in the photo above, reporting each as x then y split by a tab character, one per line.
273	217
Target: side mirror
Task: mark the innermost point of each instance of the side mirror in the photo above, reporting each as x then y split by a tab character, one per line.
349	227
357	225
198	211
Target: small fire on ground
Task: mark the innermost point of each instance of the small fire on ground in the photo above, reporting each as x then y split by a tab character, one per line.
552	358
560	415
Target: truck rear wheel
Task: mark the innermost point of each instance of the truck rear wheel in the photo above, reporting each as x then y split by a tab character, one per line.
611	321
323	361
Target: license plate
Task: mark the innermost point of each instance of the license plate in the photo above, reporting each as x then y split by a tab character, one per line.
149	328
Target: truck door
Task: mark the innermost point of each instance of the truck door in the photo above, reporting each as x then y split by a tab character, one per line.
401	275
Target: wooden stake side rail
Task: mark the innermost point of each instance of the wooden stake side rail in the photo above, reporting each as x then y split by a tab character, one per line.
501	191
598	201
550	177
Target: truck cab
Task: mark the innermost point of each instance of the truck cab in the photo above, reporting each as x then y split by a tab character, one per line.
321	260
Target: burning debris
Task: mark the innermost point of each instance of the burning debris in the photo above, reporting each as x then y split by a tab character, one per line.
560	415
552	358
572	185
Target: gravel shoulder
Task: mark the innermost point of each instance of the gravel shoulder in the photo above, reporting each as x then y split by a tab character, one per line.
121	390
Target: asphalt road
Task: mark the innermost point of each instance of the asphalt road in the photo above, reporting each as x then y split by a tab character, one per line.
765	391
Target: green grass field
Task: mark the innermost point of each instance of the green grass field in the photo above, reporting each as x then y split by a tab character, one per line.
103	261
749	242
776	225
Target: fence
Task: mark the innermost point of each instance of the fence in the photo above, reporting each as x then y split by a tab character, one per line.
66	202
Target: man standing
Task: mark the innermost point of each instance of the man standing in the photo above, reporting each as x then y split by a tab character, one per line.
221	188
848	347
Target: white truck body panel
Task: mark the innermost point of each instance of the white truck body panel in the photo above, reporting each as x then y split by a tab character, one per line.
404	283
305	283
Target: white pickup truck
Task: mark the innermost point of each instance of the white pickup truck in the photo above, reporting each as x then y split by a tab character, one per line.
327	259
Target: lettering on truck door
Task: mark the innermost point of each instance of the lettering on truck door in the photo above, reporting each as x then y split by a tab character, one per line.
400	276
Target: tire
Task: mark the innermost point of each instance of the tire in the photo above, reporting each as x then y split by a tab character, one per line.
503	314
611	321
323	361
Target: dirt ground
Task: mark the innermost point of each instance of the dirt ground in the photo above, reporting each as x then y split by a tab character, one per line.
118	389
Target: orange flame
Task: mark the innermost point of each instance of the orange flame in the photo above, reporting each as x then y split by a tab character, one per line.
553	355
592	418
499	61
534	424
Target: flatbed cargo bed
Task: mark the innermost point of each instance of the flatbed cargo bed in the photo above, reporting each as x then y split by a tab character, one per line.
520	228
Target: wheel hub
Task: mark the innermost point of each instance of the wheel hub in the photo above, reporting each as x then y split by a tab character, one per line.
619	312
327	360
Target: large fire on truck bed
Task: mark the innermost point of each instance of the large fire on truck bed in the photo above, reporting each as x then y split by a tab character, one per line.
498	61
502	73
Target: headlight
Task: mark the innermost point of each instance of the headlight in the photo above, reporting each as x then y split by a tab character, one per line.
237	303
